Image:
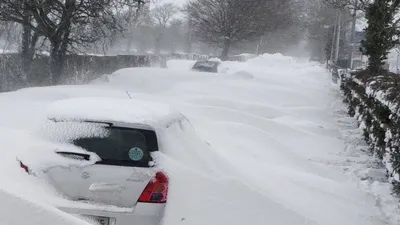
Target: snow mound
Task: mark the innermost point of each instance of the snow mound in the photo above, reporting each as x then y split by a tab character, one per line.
17	210
278	62
103	78
215	60
112	110
184	65
244	75
193	166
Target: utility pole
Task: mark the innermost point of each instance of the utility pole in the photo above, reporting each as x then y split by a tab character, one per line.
337	36
259	45
333	39
352	36
397	61
189	36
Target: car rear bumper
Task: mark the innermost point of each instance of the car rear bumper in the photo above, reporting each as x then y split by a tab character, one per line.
142	214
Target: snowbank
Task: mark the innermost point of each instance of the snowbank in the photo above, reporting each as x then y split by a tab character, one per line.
17	210
215	60
185	65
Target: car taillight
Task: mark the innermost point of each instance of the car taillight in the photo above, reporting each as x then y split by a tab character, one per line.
23	166
156	190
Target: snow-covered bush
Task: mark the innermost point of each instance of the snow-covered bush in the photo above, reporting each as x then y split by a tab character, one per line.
375	101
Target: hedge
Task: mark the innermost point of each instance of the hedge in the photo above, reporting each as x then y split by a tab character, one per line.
374	101
78	68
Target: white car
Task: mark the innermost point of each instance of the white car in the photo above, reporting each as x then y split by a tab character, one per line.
106	158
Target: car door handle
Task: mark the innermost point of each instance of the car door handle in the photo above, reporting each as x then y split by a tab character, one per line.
105	187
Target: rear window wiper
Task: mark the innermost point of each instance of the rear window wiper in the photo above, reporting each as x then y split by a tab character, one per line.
97	122
82	121
75	155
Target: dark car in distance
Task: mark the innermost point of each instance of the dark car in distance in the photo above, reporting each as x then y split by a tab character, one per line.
206	66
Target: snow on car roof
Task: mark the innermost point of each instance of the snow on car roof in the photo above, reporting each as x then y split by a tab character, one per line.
99	109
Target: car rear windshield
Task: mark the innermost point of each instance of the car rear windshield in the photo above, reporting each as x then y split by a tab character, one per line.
122	146
205	64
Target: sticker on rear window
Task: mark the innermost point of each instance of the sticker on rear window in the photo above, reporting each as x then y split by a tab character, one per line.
136	154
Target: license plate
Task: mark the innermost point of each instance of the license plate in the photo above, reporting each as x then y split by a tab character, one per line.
103	220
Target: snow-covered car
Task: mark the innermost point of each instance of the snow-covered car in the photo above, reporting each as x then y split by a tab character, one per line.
106	156
206	66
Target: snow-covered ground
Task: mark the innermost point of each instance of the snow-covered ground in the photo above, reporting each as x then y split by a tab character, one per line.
17	210
274	148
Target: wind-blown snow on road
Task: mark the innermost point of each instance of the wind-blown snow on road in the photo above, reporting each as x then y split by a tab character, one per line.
16	210
263	132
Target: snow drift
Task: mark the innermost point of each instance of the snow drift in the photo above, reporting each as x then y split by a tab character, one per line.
257	148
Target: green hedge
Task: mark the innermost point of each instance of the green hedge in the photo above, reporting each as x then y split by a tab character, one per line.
374	102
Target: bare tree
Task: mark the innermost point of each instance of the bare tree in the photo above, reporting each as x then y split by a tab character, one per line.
174	35
17	12
66	24
161	16
10	32
227	22
134	16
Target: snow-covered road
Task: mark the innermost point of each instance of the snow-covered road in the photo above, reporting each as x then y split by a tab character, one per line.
275	153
